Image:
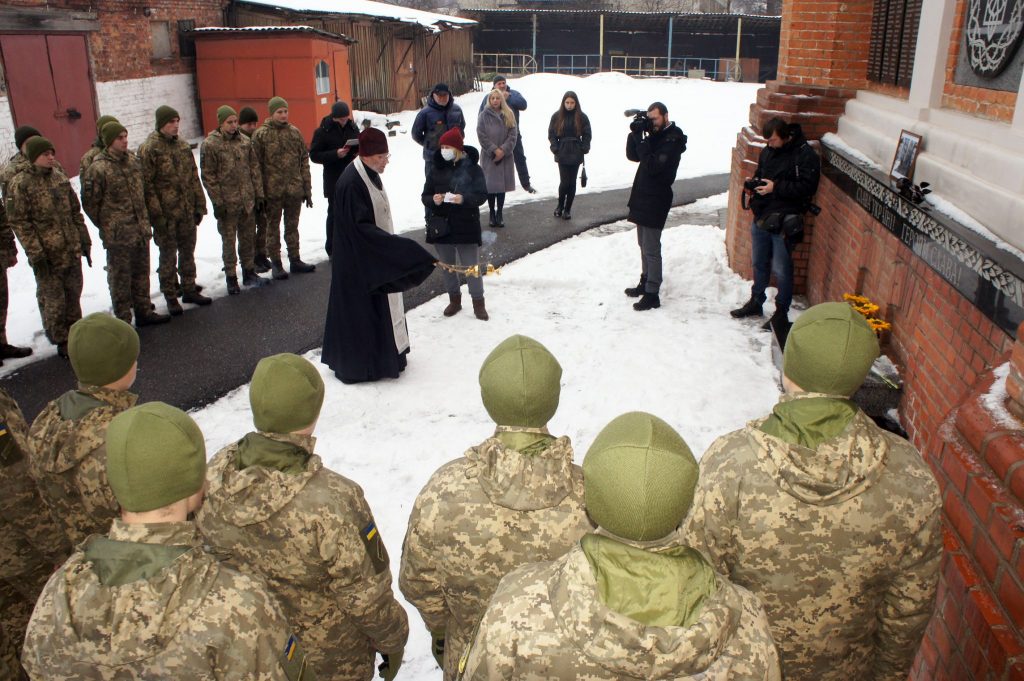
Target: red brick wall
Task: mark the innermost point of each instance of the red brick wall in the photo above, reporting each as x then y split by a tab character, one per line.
822	42
993	104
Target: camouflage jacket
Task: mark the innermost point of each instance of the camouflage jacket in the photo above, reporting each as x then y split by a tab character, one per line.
312	537
841	543
69	458
477	519
547	621
231	173
113	612
170	178
8	249
89	156
31	544
16	165
284	161
113	198
44	212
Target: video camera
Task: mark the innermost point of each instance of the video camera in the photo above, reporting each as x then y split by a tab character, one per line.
641	124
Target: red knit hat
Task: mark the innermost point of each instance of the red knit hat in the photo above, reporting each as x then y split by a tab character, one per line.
452	138
372	142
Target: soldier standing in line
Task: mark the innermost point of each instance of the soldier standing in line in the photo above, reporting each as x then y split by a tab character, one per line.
19	161
248	122
231	176
113	199
97	146
31	544
8	259
307	530
68	458
284	164
45	214
516	498
176	205
146	601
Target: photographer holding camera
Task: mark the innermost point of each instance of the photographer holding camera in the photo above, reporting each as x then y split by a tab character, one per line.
780	193
656	143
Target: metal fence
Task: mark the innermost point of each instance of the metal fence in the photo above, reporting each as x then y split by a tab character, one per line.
662	67
571	64
488	63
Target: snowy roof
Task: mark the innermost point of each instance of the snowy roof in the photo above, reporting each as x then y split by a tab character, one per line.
229	30
370	8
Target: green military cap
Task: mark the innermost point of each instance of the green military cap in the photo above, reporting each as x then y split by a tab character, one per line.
22	135
110	132
286	394
164	115
103	120
520	383
225	112
248	115
830	349
35	146
276	103
102	348
156	456
639	477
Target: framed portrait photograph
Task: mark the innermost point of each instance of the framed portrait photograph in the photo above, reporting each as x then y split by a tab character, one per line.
906	156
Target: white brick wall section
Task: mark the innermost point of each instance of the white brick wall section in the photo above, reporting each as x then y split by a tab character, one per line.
134	103
6	131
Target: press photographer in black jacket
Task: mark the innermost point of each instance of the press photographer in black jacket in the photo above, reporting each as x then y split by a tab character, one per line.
780	193
329	149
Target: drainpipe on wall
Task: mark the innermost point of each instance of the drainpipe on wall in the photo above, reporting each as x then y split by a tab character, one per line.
739	33
534	50
669	69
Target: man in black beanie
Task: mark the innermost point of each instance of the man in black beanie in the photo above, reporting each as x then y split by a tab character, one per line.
335	144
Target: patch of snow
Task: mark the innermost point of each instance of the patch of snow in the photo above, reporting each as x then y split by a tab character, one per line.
837	142
370	8
994	400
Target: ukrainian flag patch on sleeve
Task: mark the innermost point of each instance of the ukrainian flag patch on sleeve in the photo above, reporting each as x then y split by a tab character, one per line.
374	547
293	661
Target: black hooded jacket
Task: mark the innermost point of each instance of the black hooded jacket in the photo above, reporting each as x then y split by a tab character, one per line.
658	155
795	169
327	139
466	178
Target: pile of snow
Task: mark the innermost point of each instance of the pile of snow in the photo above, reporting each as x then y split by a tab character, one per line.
369	8
689	363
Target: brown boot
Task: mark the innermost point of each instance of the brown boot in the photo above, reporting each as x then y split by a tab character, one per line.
479	310
454	304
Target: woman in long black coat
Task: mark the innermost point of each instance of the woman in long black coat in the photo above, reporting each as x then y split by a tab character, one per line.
569	135
454	191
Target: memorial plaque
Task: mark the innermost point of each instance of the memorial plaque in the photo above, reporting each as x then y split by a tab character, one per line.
990	55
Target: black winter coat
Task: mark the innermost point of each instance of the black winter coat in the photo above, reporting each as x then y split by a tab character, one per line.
327	139
658	156
466	178
570	146
795	169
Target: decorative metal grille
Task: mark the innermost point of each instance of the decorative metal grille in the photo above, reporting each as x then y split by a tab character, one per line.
993	33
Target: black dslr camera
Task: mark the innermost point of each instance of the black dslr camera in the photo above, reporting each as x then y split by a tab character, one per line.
641	124
753	183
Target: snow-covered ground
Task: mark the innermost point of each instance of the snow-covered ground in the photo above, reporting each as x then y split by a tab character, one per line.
688	362
710	113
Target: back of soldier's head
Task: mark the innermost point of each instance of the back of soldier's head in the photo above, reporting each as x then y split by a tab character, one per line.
286	394
102	349
830	349
520	383
639	478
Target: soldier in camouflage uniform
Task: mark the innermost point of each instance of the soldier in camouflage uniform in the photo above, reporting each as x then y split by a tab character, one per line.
833	522
19	161
232	177
8	259
97	146
45	214
68	454
516	498
308	531
113	199
176	205
31	544
284	164
147	601
627	601
248	122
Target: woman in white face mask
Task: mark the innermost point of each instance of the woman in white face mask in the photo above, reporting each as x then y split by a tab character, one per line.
454	191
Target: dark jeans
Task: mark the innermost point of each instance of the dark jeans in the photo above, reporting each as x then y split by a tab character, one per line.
567	184
772	253
650	257
519	154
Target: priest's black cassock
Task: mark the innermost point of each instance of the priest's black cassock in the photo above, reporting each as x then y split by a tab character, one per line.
367	263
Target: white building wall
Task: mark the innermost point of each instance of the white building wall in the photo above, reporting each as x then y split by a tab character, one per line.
134	103
7	148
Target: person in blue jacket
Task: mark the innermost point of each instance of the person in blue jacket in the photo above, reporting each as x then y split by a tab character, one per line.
517	103
440	115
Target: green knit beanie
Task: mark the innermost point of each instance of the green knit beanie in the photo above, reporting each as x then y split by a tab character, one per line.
286	394
103	120
520	383
102	348
23	134
36	146
276	103
225	112
156	456
830	349
165	115
110	132
248	115
639	477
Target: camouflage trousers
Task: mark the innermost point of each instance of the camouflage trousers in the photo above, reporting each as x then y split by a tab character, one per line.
10	665
291	207
59	294
128	278
3	307
237	225
260	221
177	244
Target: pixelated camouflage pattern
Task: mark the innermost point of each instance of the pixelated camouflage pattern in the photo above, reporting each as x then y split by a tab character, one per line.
290	209
69	462
89	156
284	161
231	171
303	534
44	212
113	198
842	544
128	278
16	165
194	619
477	519
31	544
170	179
546	622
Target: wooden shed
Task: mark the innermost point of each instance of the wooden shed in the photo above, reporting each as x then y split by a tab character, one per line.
399	53
247	66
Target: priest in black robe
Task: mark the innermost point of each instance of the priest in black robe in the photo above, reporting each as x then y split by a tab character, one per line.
366	337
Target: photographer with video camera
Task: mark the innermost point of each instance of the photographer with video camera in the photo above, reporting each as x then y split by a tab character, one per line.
780	193
656	143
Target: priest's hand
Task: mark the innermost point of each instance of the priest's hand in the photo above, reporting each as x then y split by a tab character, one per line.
438	199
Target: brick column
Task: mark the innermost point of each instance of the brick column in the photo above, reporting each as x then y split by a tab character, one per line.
822	61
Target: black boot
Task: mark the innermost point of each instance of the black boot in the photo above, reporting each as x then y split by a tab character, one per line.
196	298
8	351
751	308
567	213
262	263
250	278
298	267
558	211
499	221
454	304
778	319
648	301
149	318
233	289
637	290
278	269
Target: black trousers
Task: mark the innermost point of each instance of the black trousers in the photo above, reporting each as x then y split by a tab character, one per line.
567	173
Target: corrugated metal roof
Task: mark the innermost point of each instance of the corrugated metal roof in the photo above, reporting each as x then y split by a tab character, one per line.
228	30
370	8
